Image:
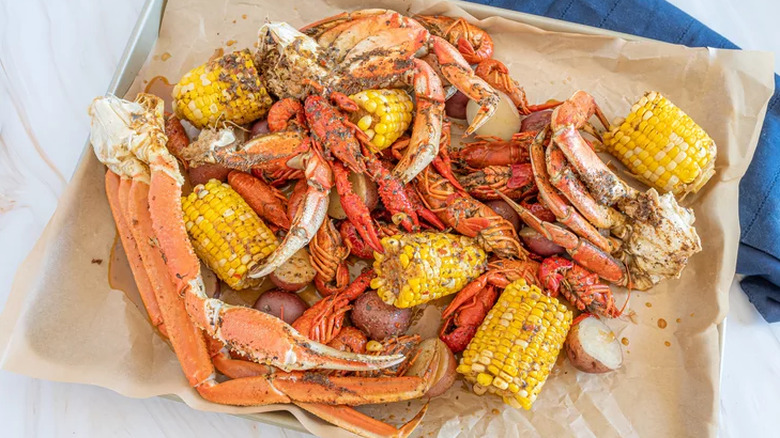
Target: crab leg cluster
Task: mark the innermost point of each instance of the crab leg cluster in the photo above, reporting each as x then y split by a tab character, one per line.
143	186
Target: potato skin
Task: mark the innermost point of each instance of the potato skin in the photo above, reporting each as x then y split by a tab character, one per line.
536	121
505	211
378	319
538	244
455	106
202	174
580	358
274	300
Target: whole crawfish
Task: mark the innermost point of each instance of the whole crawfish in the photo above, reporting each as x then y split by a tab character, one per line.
328	257
515	181
494	151
469	216
474	43
323	321
578	285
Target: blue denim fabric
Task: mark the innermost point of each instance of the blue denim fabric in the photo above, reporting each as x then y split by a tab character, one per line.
759	190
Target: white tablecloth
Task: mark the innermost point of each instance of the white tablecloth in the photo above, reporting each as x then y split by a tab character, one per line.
56	56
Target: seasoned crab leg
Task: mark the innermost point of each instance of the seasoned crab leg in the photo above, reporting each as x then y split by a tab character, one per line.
308	218
122	130
428	119
340	415
458	72
193	353
581	250
563	211
566	121
563	178
660	237
113	185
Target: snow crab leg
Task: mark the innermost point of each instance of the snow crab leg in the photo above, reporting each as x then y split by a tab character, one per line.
581	250
131	133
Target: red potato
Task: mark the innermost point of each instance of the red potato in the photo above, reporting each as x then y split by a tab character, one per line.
210	281
505	211
259	127
592	347
363	187
202	174
445	372
538	244
455	106
284	305
536	121
295	273
378	319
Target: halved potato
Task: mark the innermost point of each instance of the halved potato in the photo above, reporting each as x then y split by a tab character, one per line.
592	347
295	273
504	123
445	372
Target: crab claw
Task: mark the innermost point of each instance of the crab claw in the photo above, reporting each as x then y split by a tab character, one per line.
458	72
355	208
308	218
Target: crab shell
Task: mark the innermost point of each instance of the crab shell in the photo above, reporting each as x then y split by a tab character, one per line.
290	60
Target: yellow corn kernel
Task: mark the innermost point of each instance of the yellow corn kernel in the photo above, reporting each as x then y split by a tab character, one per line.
222	217
383	115
657	138
420	267
537	330
226	89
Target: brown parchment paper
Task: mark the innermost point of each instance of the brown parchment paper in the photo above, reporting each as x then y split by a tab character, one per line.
64	322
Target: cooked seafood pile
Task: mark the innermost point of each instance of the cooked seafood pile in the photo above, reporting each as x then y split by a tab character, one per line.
332	143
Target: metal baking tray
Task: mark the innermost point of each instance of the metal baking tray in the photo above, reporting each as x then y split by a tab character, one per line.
146	31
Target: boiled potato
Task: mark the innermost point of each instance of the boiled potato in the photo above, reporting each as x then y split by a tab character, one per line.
504	123
378	319
445	372
505	211
592	347
536	121
295	273
284	305
539	244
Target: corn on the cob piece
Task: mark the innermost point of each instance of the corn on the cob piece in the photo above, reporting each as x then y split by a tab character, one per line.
384	115
517	344
420	267
663	146
226	233
224	89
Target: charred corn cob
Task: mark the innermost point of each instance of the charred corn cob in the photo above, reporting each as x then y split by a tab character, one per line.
664	147
420	267
226	233
226	89
384	115
517	345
